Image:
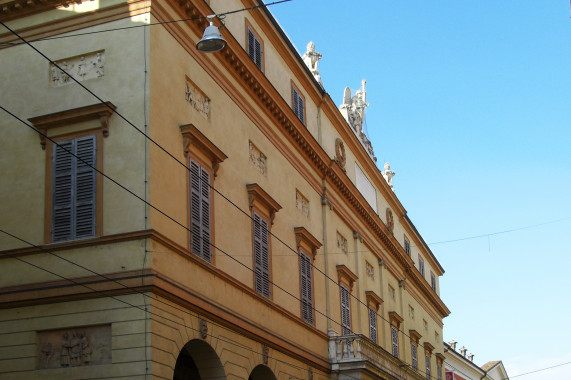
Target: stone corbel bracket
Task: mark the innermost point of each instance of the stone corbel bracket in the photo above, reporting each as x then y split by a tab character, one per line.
192	138
101	111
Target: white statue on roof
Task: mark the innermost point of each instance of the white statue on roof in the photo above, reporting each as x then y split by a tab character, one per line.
353	110
311	59
388	175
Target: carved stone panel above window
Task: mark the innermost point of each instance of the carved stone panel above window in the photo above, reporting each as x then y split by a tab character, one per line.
80	68
196	98
301	203
342	243
258	159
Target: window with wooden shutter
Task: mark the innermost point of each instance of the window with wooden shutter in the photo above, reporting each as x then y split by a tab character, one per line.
254	47
395	341
200	211
373	325
428	367
298	104
73	189
414	352
261	256
306	288
345	311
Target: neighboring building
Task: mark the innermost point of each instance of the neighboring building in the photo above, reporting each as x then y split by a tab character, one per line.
207	215
460	366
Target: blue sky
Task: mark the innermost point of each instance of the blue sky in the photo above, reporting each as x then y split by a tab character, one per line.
470	104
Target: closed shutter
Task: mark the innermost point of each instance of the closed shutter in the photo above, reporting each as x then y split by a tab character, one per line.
428	367
395	341
73	198
298	106
414	356
261	256
373	325
345	311
200	211
254	49
306	288
85	188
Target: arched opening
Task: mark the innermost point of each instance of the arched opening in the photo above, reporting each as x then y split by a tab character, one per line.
198	361
261	372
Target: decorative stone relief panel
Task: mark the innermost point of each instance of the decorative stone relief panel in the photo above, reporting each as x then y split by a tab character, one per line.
302	203
265	353
75	347
80	68
342	243
392	292
411	311
390	220
203	328
258	159
425	325
370	270
196	98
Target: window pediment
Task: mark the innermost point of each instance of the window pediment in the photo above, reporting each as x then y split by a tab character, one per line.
306	241
395	318
346	276
373	299
258	198
193	139
414	335
101	111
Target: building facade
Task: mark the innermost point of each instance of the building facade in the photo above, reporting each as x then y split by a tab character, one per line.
169	213
459	365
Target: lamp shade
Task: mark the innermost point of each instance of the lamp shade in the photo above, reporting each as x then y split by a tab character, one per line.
212	41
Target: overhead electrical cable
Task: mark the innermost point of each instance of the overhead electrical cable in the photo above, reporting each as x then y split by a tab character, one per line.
219	15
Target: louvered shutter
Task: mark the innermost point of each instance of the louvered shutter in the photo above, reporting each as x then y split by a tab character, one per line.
265	258
85	187
73	199
373	325
200	211
428	367
258	53
414	356
345	311
63	172
395	341
205	215
306	288
254	49
298	106
261	256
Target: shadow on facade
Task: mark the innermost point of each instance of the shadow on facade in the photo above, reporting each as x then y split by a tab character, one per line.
261	372
198	361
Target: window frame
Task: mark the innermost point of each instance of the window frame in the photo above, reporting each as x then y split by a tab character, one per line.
432	280
198	148
68	125
345	302
395	321
263	206
249	29
346	279
421	266
373	304
300	98
414	339
307	246
202	169
407	246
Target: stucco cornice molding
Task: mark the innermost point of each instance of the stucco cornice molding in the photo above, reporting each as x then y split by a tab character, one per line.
10	10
